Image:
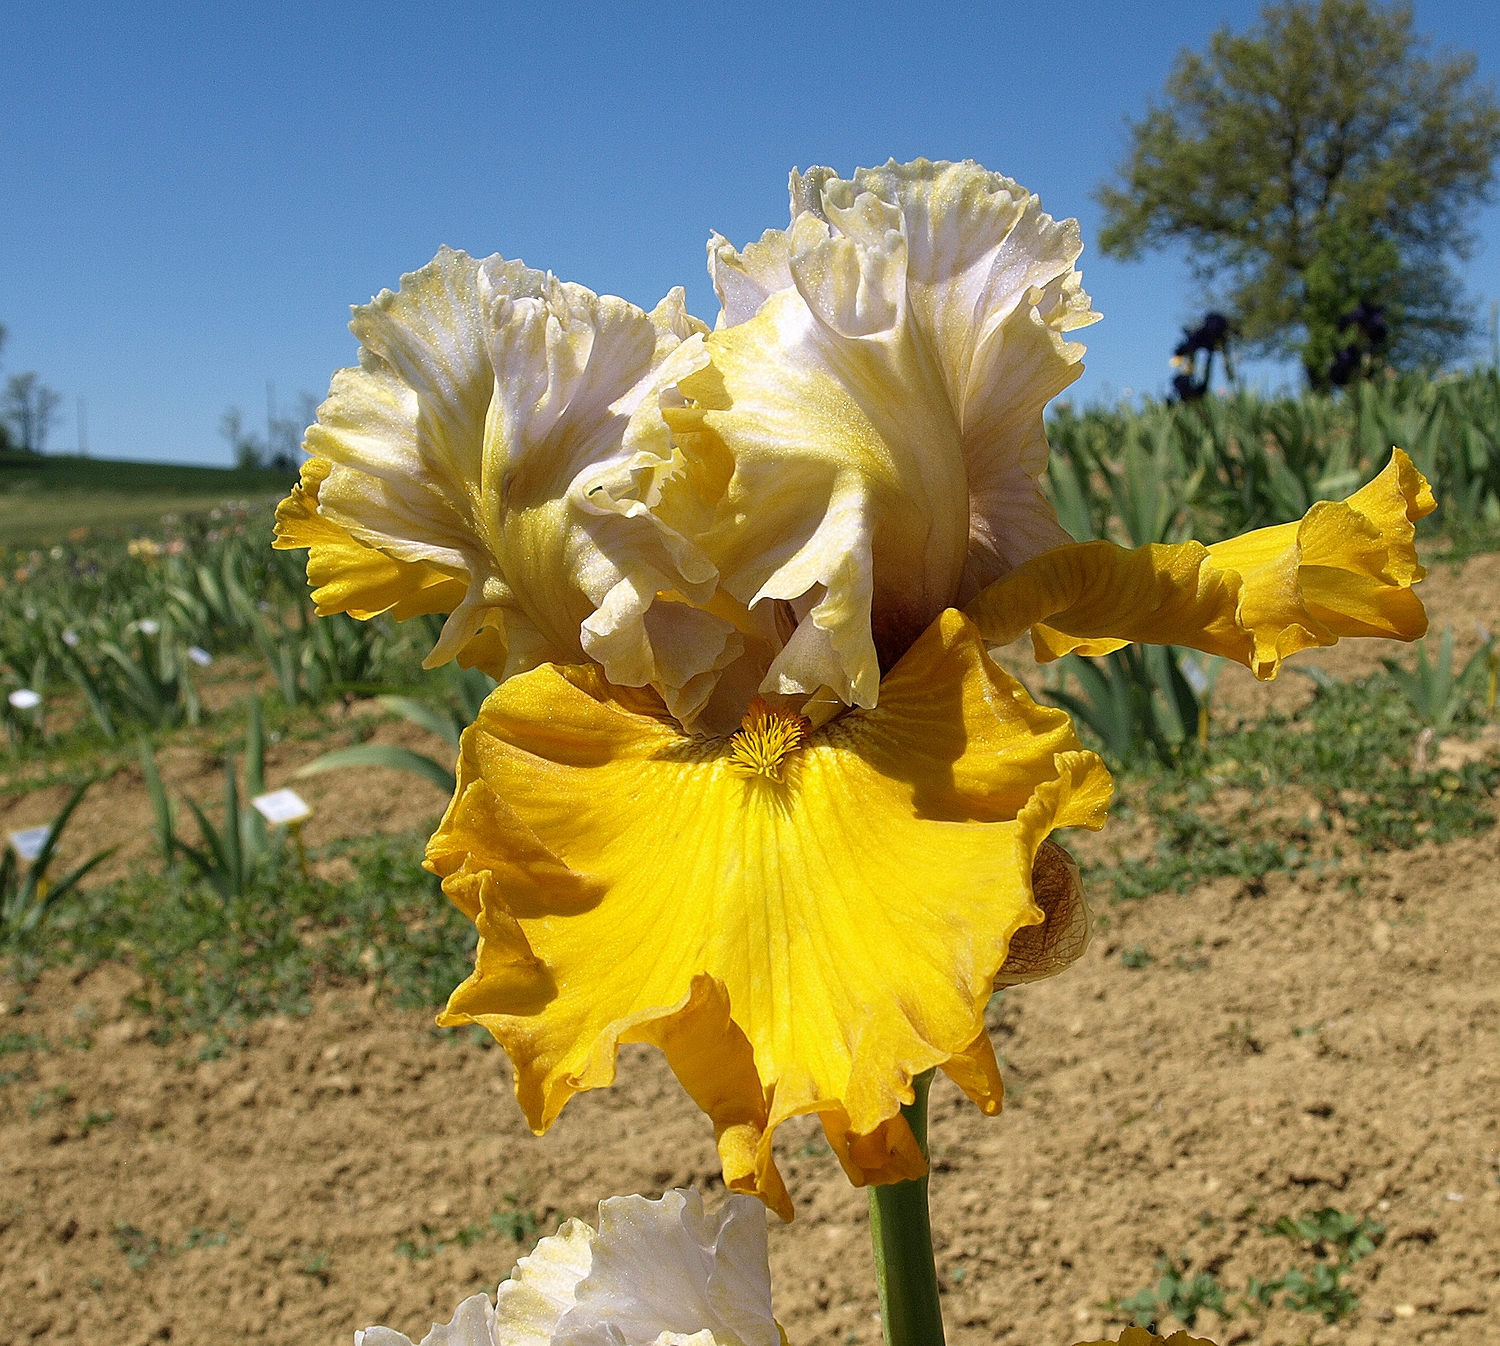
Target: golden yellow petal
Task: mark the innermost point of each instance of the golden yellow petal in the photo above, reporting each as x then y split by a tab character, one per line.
712	1058
799	936
1346	569
347	575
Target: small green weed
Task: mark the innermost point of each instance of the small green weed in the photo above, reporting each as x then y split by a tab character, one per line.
1323	1292
1177	1293
1347	1237
316	1266
519	1226
93	1119
1337	1239
1135	956
139	1248
48	1099
421	1250
22	1042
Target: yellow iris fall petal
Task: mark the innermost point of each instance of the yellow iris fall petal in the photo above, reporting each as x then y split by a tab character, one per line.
1346	569
795	944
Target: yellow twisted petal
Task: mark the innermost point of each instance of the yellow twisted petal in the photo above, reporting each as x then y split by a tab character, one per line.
1346	569
797	944
350	576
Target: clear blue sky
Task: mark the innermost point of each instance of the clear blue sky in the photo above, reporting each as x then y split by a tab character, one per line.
191	196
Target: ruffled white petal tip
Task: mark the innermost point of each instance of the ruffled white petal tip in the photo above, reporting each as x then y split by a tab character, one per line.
658	1273
472	1324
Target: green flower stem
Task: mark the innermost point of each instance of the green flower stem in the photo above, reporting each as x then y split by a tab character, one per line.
910	1314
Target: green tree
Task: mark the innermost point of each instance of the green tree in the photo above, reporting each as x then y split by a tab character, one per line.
1320	161
31	407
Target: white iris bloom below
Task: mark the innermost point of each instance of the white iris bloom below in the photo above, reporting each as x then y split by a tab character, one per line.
658	1273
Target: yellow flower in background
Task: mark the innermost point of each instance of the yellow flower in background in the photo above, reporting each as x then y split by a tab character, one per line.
657	1273
752	788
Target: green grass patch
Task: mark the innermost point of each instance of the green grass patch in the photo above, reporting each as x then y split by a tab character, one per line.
44	499
212	965
140	1248
1177	1292
1335	1238
1351	748
520	1226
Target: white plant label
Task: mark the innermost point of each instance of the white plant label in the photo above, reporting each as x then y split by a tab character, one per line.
28	842
281	807
23	698
200	656
148	626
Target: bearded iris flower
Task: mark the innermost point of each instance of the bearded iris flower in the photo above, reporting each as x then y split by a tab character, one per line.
752	787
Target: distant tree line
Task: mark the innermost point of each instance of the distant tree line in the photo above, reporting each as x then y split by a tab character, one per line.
28	414
28	410
280	446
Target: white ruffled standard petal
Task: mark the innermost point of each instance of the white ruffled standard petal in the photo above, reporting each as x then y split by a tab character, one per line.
877	384
667	1267
472	1324
529	1306
658	1273
489	432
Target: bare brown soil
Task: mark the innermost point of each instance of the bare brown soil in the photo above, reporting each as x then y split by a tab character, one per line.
1287	1047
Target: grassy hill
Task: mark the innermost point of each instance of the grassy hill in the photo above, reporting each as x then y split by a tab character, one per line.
43	499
